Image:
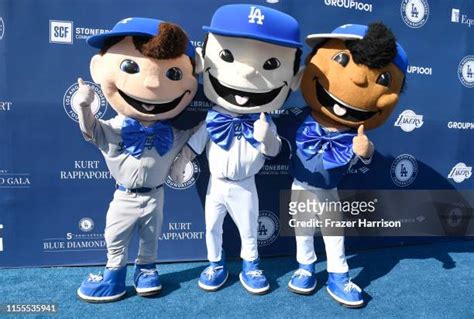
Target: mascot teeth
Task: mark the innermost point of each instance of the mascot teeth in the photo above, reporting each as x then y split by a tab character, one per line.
241	99
339	110
148	107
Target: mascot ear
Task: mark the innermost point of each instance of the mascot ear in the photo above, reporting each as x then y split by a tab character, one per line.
199	61
96	69
295	83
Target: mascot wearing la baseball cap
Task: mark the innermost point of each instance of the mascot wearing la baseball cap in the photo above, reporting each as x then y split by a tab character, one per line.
352	82
251	62
145	69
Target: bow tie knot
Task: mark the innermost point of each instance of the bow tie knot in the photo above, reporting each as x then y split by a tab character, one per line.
149	130
222	128
136	137
336	147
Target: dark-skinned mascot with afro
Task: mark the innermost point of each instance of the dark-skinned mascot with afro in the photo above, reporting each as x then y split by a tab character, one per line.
352	82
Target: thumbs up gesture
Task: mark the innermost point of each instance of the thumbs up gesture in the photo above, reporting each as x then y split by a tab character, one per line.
361	145
261	128
84	94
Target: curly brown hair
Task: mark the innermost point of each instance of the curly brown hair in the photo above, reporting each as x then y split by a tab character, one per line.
170	43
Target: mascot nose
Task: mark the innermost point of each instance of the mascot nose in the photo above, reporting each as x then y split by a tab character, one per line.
359	76
152	81
247	71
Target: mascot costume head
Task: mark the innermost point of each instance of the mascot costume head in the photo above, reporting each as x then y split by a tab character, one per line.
145	68
354	75
250	58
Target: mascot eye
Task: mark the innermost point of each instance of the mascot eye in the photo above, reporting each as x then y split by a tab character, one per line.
226	55
129	66
271	64
342	58
174	74
384	79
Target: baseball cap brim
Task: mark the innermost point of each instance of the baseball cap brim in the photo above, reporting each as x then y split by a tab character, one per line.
97	41
313	40
269	39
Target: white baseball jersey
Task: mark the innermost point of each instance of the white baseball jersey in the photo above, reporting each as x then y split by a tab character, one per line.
240	161
150	170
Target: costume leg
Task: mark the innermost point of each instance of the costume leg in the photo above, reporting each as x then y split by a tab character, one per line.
122	217
305	253
335	253
149	226
242	204
215	212
334	239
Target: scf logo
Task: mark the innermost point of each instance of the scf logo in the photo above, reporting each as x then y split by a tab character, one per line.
460	172
415	12
1	239
60	32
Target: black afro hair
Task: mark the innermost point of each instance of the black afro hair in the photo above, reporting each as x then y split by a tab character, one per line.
377	49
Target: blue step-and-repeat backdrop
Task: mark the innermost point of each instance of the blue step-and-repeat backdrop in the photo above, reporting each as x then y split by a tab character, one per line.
55	187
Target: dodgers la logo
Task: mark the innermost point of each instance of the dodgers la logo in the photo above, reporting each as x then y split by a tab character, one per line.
256	15
191	174
415	12
454	217
86	224
268	228
460	172
466	71
98	105
409	121
404	170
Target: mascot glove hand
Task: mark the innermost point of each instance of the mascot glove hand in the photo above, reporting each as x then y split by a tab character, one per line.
85	94
361	145
261	129
178	168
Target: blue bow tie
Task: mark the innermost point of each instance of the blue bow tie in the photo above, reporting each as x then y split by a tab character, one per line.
336	147
136	137
223	128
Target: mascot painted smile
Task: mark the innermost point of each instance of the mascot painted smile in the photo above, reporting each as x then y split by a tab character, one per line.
352	82
250	63
145	69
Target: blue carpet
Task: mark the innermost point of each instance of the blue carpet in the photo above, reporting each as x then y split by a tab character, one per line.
426	281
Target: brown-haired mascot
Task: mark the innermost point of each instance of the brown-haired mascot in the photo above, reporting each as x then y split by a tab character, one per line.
146	70
352	82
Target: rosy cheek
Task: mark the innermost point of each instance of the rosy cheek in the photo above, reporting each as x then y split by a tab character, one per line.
387	101
189	83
